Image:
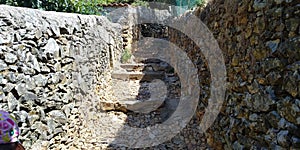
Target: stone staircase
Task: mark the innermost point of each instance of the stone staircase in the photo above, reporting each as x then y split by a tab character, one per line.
143	86
131	88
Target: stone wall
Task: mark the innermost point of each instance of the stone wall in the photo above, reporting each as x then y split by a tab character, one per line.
50	68
260	41
132	32
122	16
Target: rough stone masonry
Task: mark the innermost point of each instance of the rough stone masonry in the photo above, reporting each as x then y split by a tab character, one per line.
260	40
49	63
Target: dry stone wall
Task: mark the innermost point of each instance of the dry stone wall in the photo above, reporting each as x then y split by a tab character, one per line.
51	65
260	41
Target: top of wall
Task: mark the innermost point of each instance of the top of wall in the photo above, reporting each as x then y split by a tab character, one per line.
33	18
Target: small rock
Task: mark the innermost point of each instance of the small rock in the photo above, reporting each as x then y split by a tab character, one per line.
22	32
55	30
2	96
259	25
28	70
253	117
36	65
283	138
49	32
235	61
57	67
51	48
38	34
32	118
277	147
57	130
67	109
279	1
8	87
51	124
10	58
295	142
29	96
292	24
21	52
273	77
278	12
23	115
282	123
30	84
40	80
12	77
3	65
273	45
260	102
58	116
258	5
177	140
254	87
273	118
11	101
2	41
2	80
288	109
292	128
45	69
272	64
237	146
21	89
64	40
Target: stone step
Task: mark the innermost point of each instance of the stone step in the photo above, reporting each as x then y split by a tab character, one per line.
149	66
147	75
140	59
133	67
142	106
132	105
144	58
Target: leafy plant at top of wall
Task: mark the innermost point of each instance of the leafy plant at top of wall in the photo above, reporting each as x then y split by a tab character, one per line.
90	6
126	56
200	3
140	3
73	6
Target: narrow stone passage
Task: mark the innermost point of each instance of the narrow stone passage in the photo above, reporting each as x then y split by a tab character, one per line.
59	80
131	94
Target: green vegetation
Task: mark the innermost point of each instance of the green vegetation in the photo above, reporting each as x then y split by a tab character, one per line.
126	56
189	3
90	6
74	6
140	3
200	3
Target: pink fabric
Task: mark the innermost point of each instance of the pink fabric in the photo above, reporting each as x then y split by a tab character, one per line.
9	130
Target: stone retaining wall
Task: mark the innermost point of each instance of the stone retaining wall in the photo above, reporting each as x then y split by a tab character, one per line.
51	64
260	41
